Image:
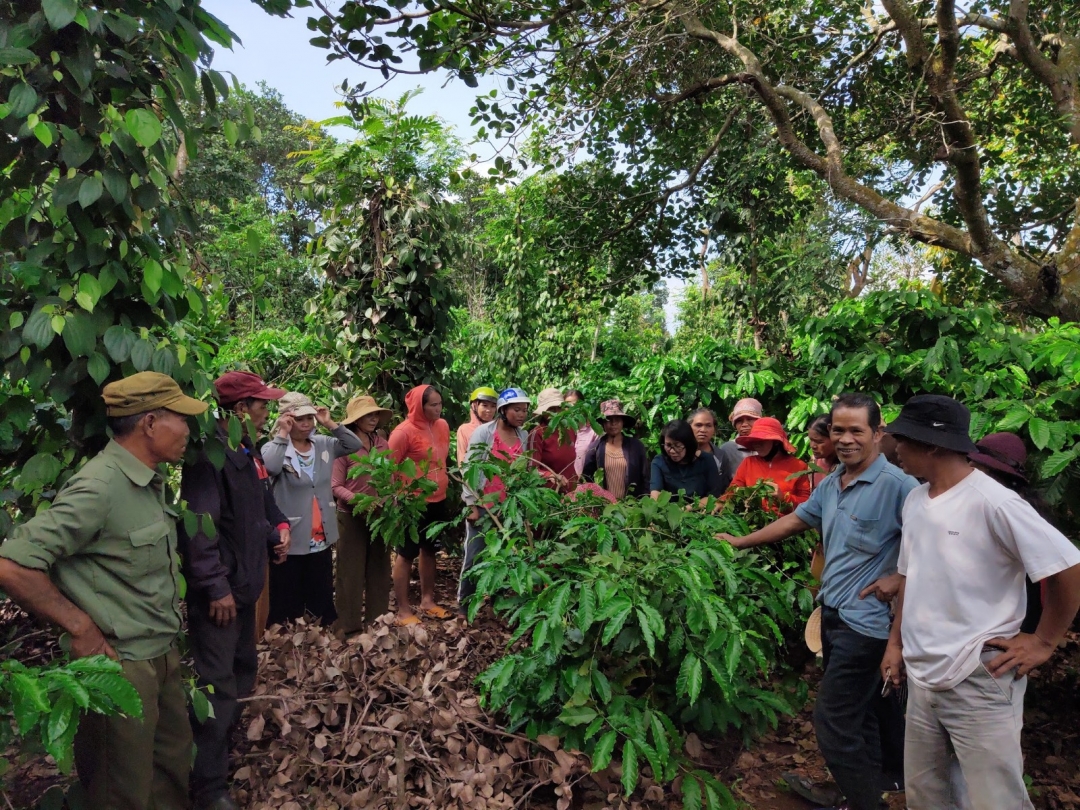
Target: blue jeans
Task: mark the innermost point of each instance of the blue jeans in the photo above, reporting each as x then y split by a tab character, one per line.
846	712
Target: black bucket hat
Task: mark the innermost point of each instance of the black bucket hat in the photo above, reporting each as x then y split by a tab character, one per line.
935	420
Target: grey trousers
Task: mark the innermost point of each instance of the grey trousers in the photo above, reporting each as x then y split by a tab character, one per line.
474	544
962	748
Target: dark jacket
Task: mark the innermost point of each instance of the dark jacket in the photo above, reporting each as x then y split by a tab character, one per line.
245	517
698	479
637	464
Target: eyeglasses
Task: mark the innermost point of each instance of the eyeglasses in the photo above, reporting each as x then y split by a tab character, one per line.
674	448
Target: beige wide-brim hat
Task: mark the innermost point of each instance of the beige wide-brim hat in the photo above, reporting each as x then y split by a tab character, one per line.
549	398
812	634
296	405
363	406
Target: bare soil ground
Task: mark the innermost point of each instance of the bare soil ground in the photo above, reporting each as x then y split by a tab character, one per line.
344	745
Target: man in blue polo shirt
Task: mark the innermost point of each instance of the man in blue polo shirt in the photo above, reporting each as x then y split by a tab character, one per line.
858	510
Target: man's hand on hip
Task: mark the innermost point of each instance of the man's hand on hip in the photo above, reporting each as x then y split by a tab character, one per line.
1023	652
91	642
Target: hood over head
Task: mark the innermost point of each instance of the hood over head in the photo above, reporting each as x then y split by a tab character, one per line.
414	402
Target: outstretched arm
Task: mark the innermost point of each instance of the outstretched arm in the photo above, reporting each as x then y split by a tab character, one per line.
782	529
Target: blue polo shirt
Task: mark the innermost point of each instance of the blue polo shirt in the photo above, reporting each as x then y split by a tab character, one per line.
860	527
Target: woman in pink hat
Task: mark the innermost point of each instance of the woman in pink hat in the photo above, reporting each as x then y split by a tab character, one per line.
623	459
774	460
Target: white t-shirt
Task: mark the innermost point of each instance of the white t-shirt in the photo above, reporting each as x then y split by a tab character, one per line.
965	554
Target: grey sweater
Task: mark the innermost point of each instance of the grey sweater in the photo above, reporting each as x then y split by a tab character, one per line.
294	491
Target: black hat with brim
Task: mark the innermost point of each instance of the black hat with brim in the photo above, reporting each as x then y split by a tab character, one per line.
935	420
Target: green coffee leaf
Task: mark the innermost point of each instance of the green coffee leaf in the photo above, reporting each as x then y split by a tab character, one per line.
629	767
601	755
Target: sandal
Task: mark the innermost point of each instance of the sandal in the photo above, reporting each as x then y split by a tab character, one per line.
405	622
437	612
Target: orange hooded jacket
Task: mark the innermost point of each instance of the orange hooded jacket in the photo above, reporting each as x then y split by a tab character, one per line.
422	440
465	432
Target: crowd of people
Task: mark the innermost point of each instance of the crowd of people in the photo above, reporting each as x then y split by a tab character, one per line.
939	572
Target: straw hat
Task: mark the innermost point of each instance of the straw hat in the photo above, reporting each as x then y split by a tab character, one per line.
812	634
360	407
549	398
296	404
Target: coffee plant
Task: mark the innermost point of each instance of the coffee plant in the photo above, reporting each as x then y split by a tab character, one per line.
42	705
631	624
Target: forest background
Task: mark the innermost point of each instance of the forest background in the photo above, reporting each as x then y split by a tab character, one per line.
155	213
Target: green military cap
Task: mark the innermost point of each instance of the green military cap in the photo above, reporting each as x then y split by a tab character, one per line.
148	391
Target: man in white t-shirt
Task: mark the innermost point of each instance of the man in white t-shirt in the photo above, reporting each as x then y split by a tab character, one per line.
967	543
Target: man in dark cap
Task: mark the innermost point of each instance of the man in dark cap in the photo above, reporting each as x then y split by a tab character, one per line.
100	563
226	570
967	544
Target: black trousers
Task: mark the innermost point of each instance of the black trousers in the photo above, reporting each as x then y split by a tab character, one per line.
846	712
225	658
304	583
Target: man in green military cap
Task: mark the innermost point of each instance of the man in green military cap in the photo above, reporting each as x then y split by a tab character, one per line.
101	564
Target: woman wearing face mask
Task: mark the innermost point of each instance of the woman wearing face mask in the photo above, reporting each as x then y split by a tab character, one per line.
300	463
424	437
362	574
681	467
623	459
505	439
774	461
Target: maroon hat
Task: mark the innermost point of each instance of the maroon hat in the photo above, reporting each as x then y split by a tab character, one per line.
233	386
1002	451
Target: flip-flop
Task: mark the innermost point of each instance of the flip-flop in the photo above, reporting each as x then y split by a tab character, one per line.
437	612
414	619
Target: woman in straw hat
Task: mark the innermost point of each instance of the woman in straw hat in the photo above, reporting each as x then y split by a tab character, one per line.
555	450
300	463
623	459
363	575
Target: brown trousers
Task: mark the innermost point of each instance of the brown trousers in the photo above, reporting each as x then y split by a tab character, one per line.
262	607
129	764
362	580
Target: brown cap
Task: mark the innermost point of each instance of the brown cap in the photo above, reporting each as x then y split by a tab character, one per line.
233	386
148	391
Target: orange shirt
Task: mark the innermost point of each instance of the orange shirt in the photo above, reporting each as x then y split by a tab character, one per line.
423	441
754	469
